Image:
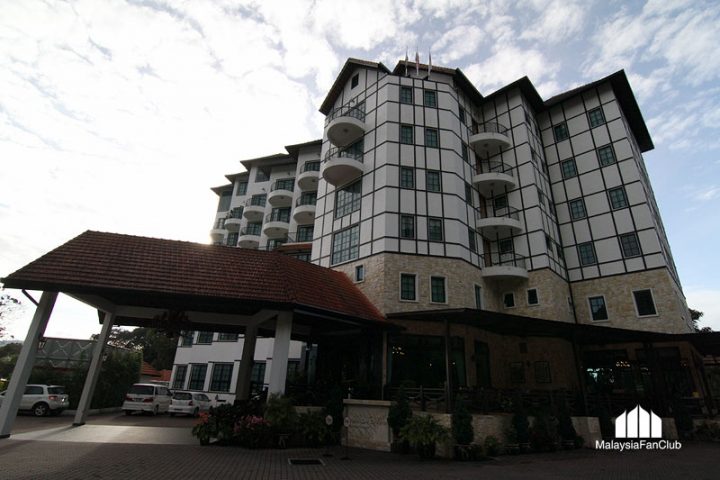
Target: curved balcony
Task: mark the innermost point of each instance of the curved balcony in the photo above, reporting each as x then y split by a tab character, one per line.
505	266
281	193
345	125
501	222
489	137
309	175
304	211
234	219
275	226
341	166
217	234
254	211
493	176
249	237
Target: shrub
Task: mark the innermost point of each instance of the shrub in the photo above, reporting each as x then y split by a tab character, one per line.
253	432
492	446
423	432
399	412
462	429
543	434
311	426
521	425
280	413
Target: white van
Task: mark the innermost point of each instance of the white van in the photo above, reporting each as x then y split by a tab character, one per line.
147	397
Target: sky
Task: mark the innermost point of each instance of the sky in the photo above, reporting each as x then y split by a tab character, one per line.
120	115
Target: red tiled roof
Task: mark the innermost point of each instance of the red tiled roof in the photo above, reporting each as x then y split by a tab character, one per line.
149	370
110	263
165	375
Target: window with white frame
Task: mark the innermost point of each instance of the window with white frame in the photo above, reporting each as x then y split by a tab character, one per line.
221	376
437	290
408	286
179	380
644	303
197	377
598	310
346	245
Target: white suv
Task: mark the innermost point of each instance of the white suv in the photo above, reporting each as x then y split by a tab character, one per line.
42	400
147	397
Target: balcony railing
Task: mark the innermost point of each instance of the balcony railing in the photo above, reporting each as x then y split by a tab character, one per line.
356	110
489	127
303	236
278	217
509	212
283	185
493	166
509	259
251	229
343	153
311	167
303	200
235	213
256	201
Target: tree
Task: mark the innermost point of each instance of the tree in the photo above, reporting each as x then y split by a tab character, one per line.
695	316
9	307
157	347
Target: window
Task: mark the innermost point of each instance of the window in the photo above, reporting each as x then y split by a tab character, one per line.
505	246
186	338
509	300
437	290
606	155
407	226
596	117
221	375
541	196
33	390
431	137
258	200
435	229
257	375
205	337
432	181
406	95
232	239
224	203
262	175
598	311
285	184
561	132
462	116
569	168
630	245
308	198
548	243
311	167
305	257
532	296
500	202
586	252
406	134
253	229
280	215
360	273
618	198
346	245
408	287
469	197
354	81
478	297
227	337
274	243
559	251
220	223
430	98
197	377
242	188
465	155
542	372
179	380
305	233
644	303
407	177
517	372
472	240
347	200
577	209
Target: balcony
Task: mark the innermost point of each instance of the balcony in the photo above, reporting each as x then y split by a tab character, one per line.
489	137
304	210
505	266
308	178
234	219
342	166
345	125
281	193
276	225
249	236
217	235
500	222
254	210
492	177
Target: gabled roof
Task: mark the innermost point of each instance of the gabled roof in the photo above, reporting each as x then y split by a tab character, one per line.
234	176
222	188
187	276
275	159
460	79
342	79
295	149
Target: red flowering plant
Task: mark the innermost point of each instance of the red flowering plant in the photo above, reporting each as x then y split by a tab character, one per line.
203	428
252	431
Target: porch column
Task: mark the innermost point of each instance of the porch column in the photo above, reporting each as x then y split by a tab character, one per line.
242	387
281	350
94	372
25	362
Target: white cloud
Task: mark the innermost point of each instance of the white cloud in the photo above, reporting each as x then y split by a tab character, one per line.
707	194
458	43
707	301
554	20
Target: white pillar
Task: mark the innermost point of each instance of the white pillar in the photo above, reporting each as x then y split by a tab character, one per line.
281	350
25	362
94	371
242	388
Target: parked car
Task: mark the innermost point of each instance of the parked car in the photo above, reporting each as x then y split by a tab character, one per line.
43	400
147	397
189	403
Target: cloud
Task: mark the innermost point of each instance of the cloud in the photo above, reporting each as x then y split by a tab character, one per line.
706	300
707	194
554	20
458	43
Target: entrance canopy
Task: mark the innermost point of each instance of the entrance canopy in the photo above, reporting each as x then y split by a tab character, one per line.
148	282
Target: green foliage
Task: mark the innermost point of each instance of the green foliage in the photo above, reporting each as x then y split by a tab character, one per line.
421	430
8	358
492	446
521	425
252	431
9	307
399	412
280	413
543	435
462	429
708	432
311	426
158	348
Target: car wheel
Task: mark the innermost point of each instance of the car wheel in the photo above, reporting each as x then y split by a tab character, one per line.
155	410
40	409
172	414
196	412
128	412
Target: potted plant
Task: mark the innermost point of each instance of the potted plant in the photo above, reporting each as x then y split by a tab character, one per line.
203	429
462	432
423	432
492	446
398	415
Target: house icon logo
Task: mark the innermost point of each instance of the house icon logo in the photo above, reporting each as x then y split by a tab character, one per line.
638	423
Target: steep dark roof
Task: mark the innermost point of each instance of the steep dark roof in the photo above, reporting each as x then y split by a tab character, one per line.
222	188
188	275
233	176
343	77
295	149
